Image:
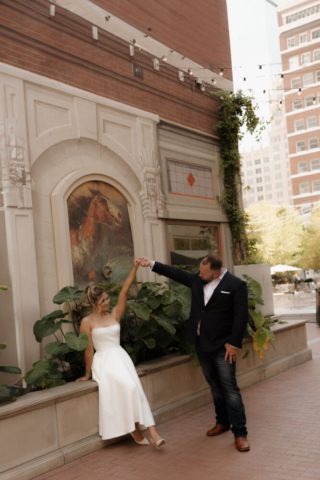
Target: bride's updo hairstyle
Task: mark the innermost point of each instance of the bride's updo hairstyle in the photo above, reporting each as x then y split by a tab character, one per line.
93	294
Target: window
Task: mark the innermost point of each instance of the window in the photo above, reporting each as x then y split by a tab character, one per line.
257	162
315	34
268	187
318	76
316	186
301	146
288	174
276	157
258	170
309	101
276	148
267	178
311	122
259	180
269	196
249	172
188	179
252	190
248	164
279	194
186	241
304	188
293	62
278	166
305	58
260	189
313	143
266	160
291	42
307	79
296	104
250	181
315	164
251	199
302	167
279	185
303	38
296	82
278	122
298	125
260	197
289	183
316	55
266	169
278	176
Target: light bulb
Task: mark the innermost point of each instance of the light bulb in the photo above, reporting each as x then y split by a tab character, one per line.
244	79
314	100
230	94
221	72
299	91
190	71
260	67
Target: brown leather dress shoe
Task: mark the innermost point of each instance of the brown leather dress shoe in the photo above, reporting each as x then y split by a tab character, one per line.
242	444
217	430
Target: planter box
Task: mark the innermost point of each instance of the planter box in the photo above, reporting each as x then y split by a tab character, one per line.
261	273
44	430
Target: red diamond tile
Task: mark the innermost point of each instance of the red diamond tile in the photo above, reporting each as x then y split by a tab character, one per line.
191	179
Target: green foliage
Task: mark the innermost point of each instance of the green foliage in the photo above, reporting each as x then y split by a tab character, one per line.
258	326
9	393
67	294
44	374
3	287
237	115
154	321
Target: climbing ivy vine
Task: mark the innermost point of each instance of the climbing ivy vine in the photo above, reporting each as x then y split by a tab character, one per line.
237	117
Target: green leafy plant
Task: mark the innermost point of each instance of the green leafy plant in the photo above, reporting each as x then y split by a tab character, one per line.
9	393
258	326
67	360
154	322
237	115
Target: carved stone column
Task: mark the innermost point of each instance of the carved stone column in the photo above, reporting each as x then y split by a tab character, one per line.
153	207
21	302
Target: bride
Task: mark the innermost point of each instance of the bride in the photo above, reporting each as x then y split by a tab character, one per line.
122	402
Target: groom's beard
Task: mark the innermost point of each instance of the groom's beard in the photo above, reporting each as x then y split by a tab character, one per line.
204	282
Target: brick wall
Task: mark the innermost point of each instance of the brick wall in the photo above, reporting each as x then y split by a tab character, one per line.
199	30
62	48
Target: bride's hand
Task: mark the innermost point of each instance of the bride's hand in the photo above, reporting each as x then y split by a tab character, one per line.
81	379
136	263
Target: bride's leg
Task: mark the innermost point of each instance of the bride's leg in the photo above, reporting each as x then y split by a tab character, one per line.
153	433
137	433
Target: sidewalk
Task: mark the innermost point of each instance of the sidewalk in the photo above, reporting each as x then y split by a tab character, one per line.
283	422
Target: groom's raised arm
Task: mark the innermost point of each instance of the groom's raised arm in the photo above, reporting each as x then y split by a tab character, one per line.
180	276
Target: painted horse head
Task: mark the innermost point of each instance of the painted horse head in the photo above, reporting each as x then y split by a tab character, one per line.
103	210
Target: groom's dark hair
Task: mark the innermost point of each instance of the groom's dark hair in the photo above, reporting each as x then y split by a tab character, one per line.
214	261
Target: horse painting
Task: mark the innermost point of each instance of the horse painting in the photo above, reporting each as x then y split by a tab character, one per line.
100	233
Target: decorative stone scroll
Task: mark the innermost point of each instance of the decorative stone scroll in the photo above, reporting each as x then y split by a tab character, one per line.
152	198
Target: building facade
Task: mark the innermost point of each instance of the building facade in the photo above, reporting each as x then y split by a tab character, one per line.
299	29
107	147
267	170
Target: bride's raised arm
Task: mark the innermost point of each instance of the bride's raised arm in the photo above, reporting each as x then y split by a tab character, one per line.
122	300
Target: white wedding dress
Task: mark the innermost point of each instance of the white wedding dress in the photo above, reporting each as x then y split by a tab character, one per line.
122	401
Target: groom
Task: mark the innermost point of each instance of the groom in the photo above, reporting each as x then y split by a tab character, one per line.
217	323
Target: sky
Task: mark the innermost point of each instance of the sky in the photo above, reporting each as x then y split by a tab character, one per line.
255	41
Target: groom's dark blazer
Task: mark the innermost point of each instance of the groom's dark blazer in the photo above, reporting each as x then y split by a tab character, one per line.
223	318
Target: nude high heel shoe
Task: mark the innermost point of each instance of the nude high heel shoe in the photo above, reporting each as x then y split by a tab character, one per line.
142	442
158	443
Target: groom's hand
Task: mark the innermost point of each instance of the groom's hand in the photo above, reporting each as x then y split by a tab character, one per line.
231	353
145	262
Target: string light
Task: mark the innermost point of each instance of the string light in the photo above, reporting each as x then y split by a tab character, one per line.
260	67
95	32
281	75
230	94
52	10
314	100
264	91
214	81
131	50
164	58
190	71
244	79
221	72
107	18
299	91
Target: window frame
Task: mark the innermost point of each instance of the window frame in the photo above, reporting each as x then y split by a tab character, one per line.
296	66
309	83
194	165
314	160
293	104
305	146
315	181
310	56
301	185
310	140
299	129
301	169
309	118
298	86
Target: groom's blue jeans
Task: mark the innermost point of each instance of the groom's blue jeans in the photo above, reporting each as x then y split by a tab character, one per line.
221	376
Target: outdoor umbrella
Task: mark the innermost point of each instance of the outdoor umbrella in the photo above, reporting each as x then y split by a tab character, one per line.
284	268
